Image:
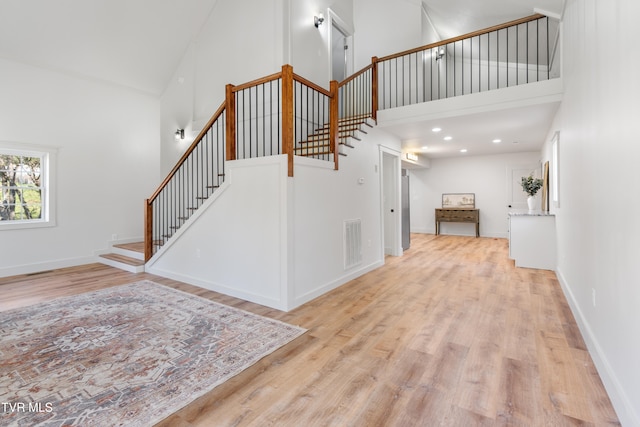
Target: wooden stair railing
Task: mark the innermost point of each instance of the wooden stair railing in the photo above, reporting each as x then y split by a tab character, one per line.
259	120
192	179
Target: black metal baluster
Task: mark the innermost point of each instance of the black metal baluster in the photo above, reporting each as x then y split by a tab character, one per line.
454	69
527	50
508	83
446	71
538	50
497	59
548	56
517	55
488	61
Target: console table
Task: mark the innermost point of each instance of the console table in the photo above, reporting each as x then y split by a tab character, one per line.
458	215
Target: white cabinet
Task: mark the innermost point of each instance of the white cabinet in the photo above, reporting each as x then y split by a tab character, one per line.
532	239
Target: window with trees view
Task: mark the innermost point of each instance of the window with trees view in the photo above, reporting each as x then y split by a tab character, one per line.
23	187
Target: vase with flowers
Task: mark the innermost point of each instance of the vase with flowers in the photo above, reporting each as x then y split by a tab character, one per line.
531	185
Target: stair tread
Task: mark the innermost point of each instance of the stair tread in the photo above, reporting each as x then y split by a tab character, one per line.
134	247
123	259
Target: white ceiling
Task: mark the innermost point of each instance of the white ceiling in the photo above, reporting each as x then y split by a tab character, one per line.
139	44
134	43
521	129
453	18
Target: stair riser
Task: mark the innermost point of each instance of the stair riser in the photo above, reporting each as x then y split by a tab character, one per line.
121	265
323	137
128	253
322	150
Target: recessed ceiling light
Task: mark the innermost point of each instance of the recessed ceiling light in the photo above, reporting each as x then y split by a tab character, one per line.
448	138
464	150
425	148
497	141
436	130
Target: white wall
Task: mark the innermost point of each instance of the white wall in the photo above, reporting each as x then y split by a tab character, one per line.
107	163
429	33
278	241
309	49
236	243
322	200
598	230
240	42
385	27
486	176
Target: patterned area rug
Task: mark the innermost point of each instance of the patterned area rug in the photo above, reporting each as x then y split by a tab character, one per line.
124	356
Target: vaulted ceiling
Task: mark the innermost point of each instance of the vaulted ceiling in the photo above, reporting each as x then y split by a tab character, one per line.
134	43
139	43
456	17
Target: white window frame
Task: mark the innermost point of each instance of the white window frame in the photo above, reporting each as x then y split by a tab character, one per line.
555	169
47	187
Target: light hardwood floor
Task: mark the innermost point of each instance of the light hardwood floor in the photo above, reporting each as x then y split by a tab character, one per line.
450	334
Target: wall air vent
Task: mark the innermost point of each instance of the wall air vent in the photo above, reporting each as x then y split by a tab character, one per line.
352	243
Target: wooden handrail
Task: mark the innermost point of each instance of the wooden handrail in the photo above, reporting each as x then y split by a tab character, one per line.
186	154
312	85
463	37
355	75
257	82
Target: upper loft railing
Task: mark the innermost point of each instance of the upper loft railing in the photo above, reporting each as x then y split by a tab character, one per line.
286	114
514	53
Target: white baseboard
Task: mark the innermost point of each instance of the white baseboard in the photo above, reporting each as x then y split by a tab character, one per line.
626	411
323	289
219	287
45	266
261	299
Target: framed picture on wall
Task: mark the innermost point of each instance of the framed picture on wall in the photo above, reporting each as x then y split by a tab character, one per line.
545	187
458	200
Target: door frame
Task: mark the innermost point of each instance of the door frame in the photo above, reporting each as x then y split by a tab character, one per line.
347	30
391	184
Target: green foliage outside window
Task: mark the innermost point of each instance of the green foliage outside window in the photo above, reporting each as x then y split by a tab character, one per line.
20	187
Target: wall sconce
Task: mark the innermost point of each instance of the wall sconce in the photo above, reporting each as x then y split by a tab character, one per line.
179	134
439	53
318	19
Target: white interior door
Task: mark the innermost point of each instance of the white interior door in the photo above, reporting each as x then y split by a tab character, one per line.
339	48
391	203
